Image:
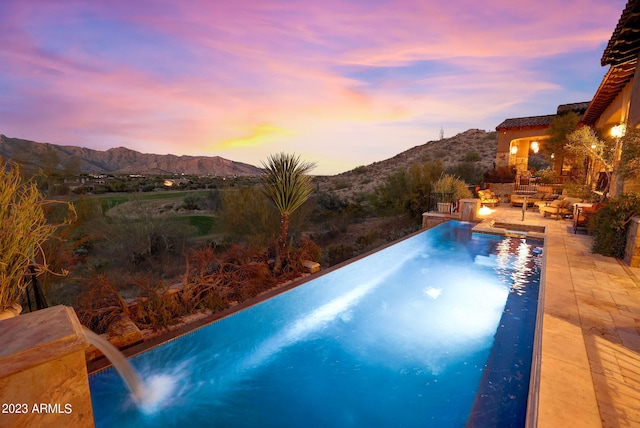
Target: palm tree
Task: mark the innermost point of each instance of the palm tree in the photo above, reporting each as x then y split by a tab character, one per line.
286	182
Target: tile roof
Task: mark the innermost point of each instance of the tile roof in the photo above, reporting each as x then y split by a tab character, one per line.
621	54
527	122
612	83
624	45
578	108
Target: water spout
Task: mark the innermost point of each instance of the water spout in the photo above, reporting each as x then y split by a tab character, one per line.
121	364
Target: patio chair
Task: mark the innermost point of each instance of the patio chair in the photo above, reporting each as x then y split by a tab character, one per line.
488	197
517	199
582	215
560	207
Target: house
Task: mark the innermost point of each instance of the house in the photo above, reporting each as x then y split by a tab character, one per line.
616	102
518	137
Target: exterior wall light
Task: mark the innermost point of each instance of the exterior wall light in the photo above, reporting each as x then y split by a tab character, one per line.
514	150
618	131
535	146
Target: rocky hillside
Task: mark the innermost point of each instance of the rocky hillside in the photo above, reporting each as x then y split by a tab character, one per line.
450	151
52	157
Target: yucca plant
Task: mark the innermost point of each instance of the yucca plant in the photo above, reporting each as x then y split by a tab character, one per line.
23	231
286	183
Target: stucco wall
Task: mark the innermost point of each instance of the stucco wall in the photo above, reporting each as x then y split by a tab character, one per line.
618	110
506	136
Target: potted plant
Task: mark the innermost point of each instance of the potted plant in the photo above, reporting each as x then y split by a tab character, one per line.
447	189
24	228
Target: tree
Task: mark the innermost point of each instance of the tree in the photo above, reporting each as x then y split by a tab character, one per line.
619	158
286	183
559	130
584	143
629	161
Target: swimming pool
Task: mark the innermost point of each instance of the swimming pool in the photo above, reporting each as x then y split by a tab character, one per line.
436	330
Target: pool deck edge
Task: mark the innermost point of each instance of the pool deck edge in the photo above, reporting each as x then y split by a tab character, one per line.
590	359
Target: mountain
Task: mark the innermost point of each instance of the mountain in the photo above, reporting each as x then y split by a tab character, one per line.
120	160
450	151
473	144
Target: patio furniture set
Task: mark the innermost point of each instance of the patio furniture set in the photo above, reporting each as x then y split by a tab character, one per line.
547	203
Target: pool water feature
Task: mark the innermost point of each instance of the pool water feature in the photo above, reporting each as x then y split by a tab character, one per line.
416	334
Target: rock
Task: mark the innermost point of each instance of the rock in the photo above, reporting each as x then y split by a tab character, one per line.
310	266
122	332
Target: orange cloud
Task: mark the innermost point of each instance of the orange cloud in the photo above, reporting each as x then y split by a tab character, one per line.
263	134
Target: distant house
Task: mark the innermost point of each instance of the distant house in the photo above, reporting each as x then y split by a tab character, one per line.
176	182
616	102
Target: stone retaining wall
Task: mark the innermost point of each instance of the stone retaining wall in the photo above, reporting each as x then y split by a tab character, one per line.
632	250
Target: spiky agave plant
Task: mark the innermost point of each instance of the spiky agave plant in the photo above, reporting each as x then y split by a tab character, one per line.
286	183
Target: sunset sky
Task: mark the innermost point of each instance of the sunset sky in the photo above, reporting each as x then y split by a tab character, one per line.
342	83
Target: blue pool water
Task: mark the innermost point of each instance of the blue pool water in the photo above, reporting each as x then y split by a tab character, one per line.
436	330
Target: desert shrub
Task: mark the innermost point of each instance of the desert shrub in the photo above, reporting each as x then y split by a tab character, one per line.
24	229
99	303
141	241
191	202
360	169
248	216
156	308
406	191
235	274
469	172
367	240
451	187
608	225
337	253
341	184
330	202
308	250
212	200
471	156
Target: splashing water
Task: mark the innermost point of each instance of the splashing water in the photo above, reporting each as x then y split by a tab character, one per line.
148	396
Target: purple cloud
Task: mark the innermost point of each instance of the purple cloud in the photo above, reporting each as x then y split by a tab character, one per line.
243	79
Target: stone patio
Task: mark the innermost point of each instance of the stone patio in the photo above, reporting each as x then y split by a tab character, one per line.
590	367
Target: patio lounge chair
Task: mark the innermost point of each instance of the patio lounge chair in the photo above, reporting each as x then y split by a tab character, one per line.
561	207
488	197
582	215
517	199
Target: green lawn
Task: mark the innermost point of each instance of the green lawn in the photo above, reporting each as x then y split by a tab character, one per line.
205	224
110	200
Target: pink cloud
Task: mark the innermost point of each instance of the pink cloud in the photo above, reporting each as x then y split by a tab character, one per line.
227	71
